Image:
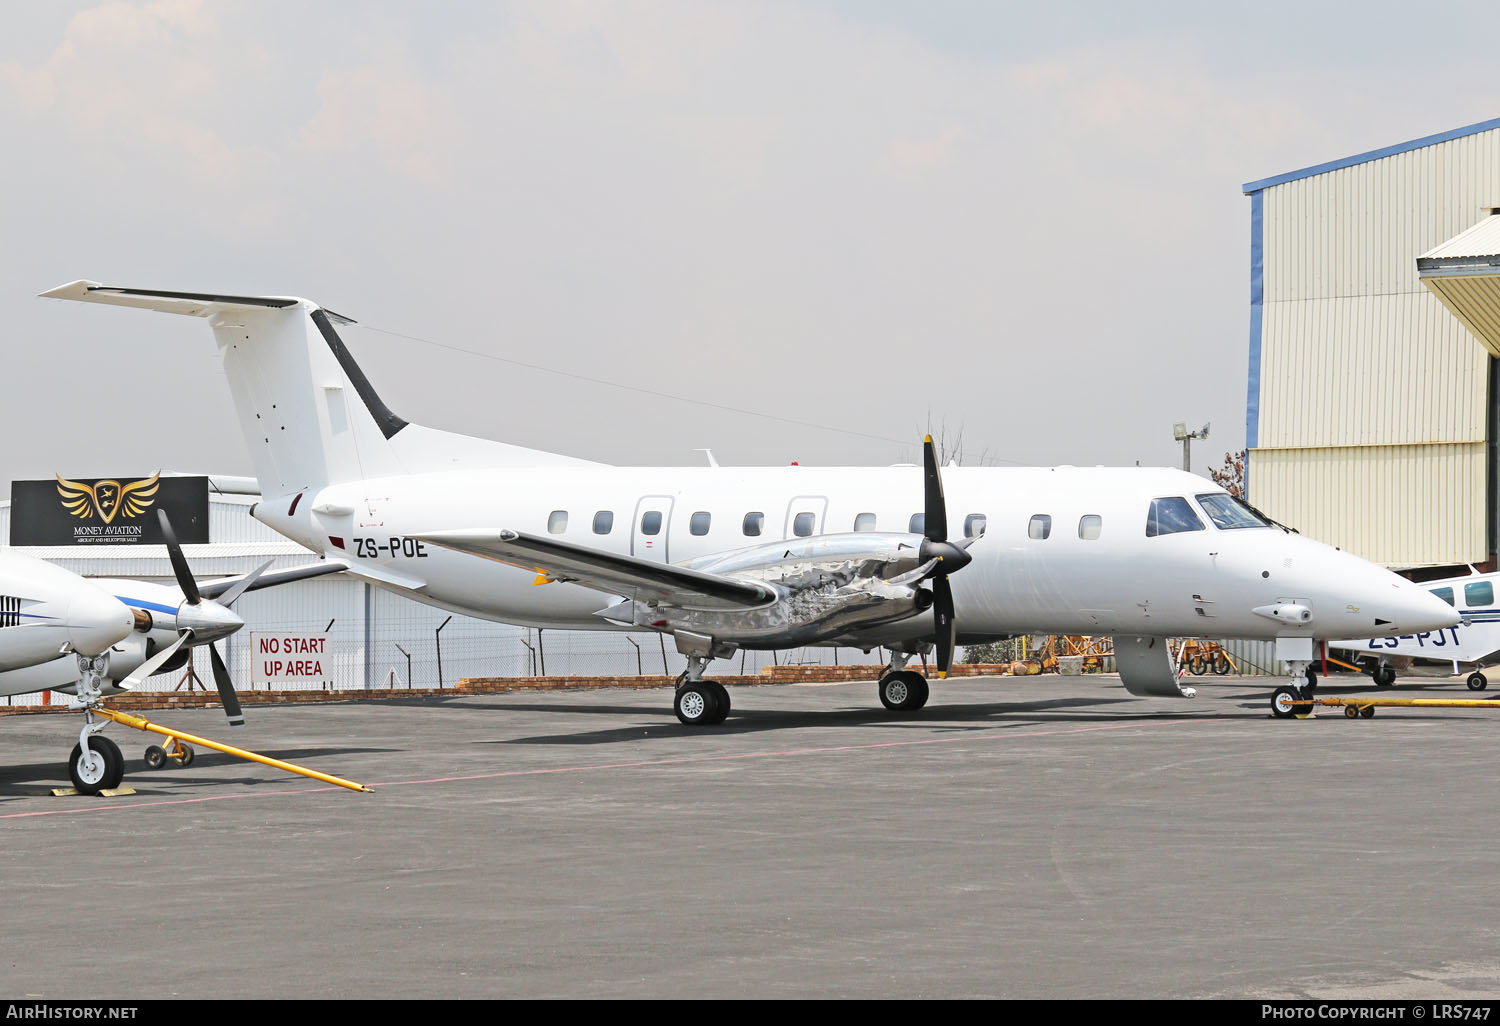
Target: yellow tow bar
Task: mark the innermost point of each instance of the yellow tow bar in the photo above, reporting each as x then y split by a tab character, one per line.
140	723
1354	707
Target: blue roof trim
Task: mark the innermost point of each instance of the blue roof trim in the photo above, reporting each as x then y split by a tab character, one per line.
1360	158
1257	300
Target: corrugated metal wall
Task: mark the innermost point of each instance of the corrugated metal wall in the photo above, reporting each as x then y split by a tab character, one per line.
1373	397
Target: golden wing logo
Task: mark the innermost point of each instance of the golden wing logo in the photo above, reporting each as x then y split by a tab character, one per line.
108	499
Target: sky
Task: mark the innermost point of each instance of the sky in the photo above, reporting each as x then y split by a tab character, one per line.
626	231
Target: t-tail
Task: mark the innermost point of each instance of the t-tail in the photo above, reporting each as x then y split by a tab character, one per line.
309	415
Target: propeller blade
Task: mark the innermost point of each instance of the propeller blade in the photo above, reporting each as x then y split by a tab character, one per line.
227	696
179	561
151	665
945	629
935	510
243	584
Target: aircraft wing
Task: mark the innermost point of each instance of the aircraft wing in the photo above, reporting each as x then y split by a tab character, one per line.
272	578
608	572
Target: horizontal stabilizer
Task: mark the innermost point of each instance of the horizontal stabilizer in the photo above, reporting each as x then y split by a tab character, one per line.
608	572
191	304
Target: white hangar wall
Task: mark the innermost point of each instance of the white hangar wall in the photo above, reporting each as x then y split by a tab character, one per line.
1369	406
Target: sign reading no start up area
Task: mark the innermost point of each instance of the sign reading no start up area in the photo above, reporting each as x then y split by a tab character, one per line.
282	658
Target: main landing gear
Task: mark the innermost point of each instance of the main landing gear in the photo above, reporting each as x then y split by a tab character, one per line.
1477	681
700	702
901	689
1293	698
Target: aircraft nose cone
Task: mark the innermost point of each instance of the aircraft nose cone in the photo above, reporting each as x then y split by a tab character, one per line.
1420	610
97	620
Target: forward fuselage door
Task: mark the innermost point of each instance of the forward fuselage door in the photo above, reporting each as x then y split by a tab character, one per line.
648	531
805	515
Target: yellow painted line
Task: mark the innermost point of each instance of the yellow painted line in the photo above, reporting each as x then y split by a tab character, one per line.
140	723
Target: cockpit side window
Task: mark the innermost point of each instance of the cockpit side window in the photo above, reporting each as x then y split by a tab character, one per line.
1227	512
1171	515
1446	594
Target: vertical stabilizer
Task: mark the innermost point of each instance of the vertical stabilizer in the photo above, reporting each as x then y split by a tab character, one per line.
308	413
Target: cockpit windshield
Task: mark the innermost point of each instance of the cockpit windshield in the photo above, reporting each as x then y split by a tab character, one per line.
1171	515
1229	513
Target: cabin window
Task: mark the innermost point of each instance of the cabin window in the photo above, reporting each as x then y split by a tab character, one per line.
917	524
699	523
1089	526
754	524
1171	515
604	521
1446	594
974	525
802	524
864	522
651	522
557	521
1480	593
1040	526
1229	513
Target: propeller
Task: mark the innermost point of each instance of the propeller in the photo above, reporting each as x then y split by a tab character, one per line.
206	620
950	557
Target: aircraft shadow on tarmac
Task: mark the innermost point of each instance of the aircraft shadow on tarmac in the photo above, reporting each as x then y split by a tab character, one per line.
22	780
750	720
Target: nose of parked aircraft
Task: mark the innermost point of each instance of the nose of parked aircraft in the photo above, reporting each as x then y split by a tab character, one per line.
1416	609
97	620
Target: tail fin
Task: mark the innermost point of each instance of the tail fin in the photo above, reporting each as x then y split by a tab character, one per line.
308	413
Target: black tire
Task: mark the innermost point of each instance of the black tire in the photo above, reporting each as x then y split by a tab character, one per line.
1197	666
903	690
721	700
1312	677
1477	682
1351	711
187	754
1368	712
156	757
1283	702
102	772
695	705
919	692
1221	664
1385	675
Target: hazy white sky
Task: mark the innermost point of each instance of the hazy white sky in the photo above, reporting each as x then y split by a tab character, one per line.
1019	220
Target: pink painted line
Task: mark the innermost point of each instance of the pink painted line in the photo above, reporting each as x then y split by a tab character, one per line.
641	764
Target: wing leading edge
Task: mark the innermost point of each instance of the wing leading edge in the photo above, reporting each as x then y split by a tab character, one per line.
608	572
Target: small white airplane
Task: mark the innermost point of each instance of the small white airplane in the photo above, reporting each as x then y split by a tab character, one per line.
93	638
1473	642
768	558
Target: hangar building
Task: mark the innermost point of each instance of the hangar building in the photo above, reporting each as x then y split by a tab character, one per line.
1373	412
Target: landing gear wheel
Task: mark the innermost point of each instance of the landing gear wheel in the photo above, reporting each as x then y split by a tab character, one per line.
101	771
1385	675
156	757
1221	664
1312	678
186	755
695	704
1351	711
1477	682
1197	666
903	690
1368	712
1284	702
721	701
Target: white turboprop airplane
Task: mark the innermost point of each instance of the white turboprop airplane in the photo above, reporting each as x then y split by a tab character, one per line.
768	558
91	638
1474	642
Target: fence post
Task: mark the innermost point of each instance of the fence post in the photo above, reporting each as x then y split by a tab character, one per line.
438	638
640	671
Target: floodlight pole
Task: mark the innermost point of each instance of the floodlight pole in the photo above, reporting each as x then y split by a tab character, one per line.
1183	435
